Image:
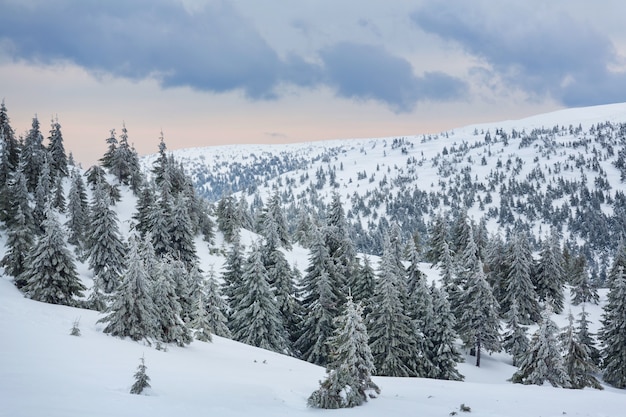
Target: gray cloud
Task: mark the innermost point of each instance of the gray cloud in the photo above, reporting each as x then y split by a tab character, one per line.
212	48
543	52
369	72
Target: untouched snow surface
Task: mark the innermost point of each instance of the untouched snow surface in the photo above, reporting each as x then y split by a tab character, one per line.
46	372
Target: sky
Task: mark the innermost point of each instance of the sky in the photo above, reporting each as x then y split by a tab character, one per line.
213	72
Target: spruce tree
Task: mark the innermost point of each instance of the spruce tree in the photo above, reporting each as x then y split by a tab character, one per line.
132	312
107	159
50	272
549	280
613	332
43	194
349	382
515	340
56	150
444	354
543	361
519	286
582	290
209	312
182	245
77	213
227	221
363	285
578	363
393	336
320	304
479	323
105	249
438	236
145	203
587	338
19	243
11	146
233	271
33	155
170	325
256	319
280	277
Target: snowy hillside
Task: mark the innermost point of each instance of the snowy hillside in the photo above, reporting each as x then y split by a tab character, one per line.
564	169
45	371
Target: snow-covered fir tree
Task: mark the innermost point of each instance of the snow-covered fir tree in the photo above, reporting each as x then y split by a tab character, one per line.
548	278
613	332
256	319
586	337
170	325
321	304
578	363
515	340
182	246
280	277
50	272
438	236
393	335
519	286
43	193
233	271
209	313
18	245
141	378
56	150
132	312
33	155
105	249
227	221
349	381
543	361
363	285
77	212
582	290
444	354
479	322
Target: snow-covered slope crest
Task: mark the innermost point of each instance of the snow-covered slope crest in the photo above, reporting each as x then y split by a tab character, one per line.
44	371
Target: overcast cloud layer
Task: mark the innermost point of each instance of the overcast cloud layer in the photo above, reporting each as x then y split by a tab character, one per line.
215	46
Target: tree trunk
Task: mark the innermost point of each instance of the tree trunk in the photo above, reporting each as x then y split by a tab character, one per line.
478	352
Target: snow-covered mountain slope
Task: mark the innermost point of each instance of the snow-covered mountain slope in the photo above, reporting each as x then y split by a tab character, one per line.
44	371
564	169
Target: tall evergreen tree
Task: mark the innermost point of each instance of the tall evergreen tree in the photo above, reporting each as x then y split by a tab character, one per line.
256	319
33	154
227	221
105	248
320	304
392	332
543	360
519	286
578	363
170	326
233	271
613	332
549	280
107	159
182	244
274	224
280	276
349	382
50	272
363	286
443	355
479	323
77	213
132	312
515	341
43	193
216	308
438	235
587	338
19	243
11	146
582	290
56	150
